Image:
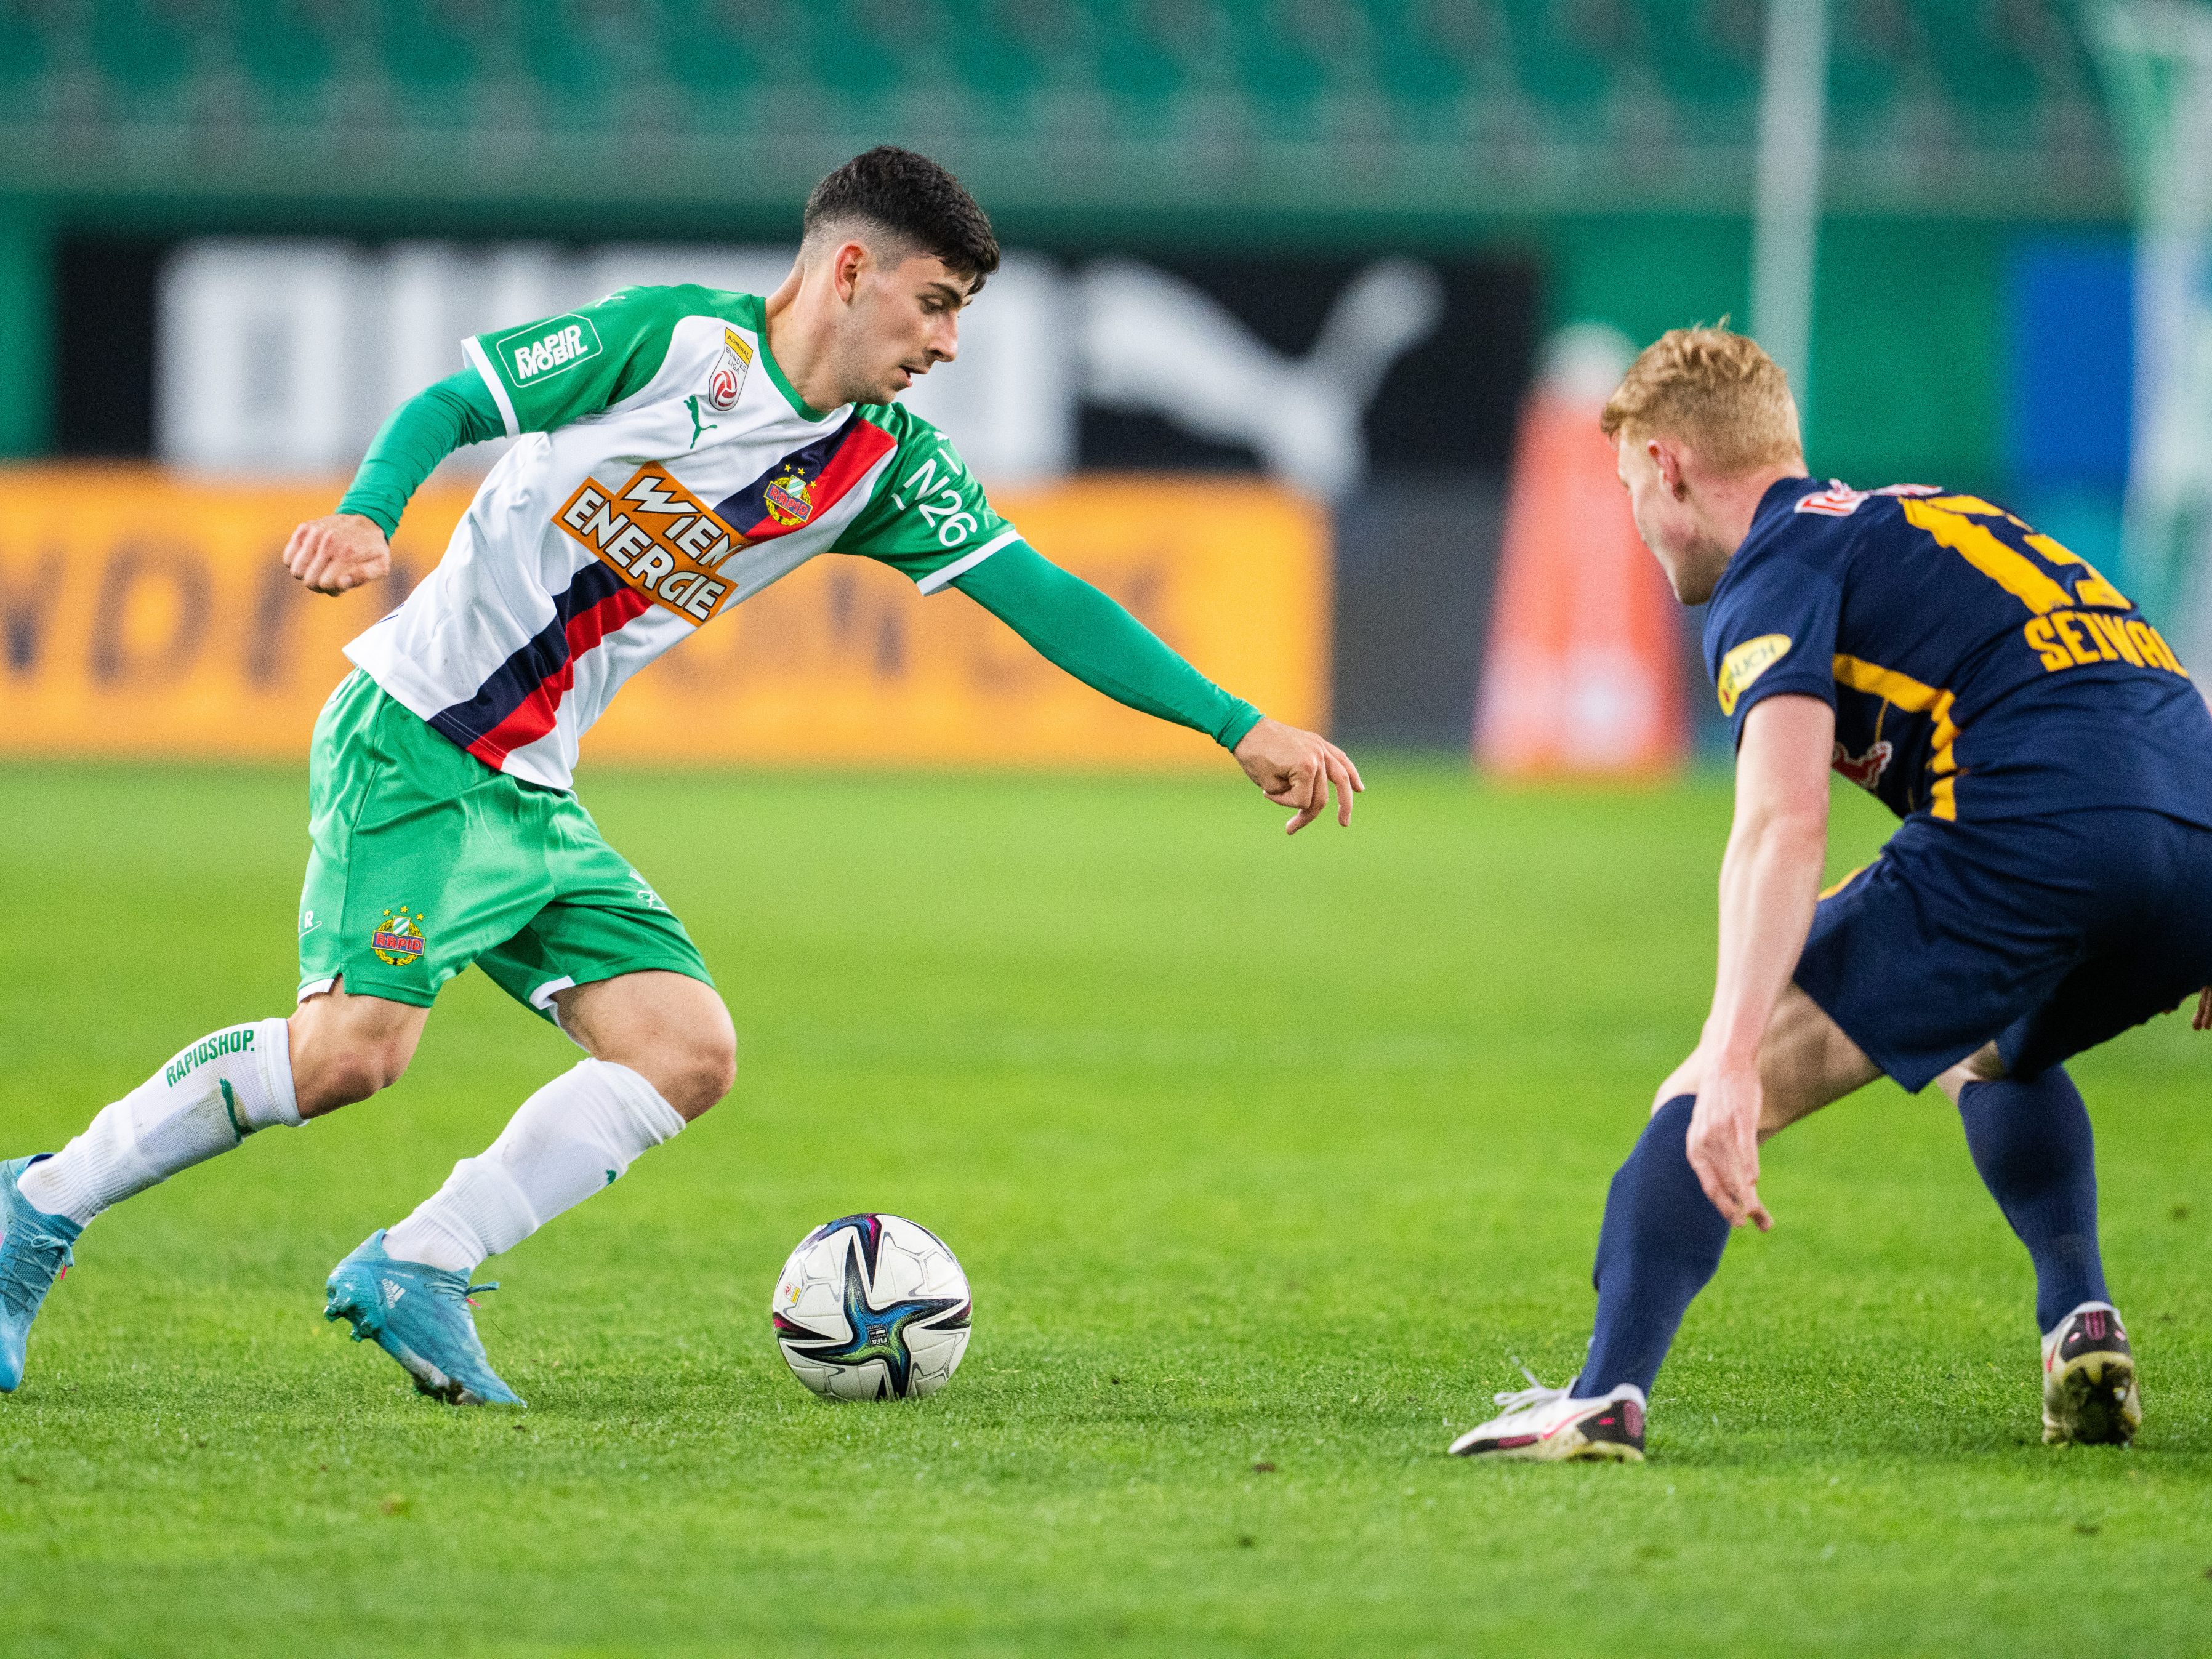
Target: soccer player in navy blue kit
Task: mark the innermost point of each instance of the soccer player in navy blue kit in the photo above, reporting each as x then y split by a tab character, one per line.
2049	887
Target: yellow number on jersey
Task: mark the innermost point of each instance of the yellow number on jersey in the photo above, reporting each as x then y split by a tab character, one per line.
1951	520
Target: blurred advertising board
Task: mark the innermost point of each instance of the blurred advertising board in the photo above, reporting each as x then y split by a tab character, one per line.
144	614
280	356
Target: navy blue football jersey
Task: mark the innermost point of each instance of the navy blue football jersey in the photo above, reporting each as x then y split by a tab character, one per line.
1977	670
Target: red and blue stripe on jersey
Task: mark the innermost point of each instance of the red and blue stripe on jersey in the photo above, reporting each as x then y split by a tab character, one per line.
521	701
828	468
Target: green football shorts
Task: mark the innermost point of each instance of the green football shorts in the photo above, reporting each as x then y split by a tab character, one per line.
425	859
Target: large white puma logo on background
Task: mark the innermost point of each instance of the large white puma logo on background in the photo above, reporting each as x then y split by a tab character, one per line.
1153	342
380	323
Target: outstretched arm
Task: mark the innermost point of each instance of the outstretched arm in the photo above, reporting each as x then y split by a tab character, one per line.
351	546
1071	624
1770	881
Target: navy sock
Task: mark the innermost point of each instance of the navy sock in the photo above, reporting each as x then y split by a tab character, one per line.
1661	1244
2031	1142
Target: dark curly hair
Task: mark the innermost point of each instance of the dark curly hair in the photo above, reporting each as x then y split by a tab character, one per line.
912	197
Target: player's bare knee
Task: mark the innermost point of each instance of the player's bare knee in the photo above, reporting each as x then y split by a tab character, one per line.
327	1074
1806	1062
705	1069
1984	1065
343	1049
672	1031
692	1078
334	1068
1682	1080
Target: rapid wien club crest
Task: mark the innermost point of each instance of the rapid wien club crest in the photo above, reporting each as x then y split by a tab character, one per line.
789	499
400	941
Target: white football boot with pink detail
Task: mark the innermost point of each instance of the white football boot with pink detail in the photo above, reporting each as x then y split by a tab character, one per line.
2089	1393
1544	1426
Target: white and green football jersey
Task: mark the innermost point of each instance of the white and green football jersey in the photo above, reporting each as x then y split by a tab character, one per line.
667	472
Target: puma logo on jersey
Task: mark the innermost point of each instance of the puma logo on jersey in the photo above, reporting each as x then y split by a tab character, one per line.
659	538
1865	770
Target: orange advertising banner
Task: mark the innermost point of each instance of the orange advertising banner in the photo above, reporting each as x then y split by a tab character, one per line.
147	615
1583	672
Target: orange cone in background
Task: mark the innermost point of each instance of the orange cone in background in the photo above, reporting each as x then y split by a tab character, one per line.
1583	670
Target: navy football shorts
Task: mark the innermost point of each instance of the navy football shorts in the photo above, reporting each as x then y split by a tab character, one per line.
2049	935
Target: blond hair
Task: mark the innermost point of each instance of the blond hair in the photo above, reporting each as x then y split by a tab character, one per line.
1716	391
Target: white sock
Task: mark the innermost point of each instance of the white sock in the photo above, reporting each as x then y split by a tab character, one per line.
570	1140
206	1100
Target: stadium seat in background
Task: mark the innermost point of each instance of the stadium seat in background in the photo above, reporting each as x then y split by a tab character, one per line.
432	61
1425	56
1706	56
578	57
1994	59
28	80
707	61
1871	46
999	73
1562	90
1563	54
146	53
865	57
1142	65
289	57
1285	59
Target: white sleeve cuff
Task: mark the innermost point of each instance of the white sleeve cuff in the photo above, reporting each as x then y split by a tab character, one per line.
960	565
482	364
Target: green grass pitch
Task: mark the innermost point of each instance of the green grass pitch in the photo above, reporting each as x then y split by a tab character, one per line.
1262	1155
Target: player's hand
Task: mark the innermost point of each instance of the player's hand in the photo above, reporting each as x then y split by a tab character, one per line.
334	554
1723	1143
1294	768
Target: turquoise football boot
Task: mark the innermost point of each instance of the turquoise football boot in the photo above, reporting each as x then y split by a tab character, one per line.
420	1316
34	1252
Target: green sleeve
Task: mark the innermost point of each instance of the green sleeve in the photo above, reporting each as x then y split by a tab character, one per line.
1071	624
927	519
559	369
421	433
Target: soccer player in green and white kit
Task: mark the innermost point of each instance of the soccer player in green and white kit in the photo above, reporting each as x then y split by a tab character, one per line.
680	448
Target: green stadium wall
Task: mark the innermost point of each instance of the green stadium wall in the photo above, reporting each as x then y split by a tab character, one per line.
27	370
1908	321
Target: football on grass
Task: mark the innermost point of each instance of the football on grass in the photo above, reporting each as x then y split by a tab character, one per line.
872	1307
